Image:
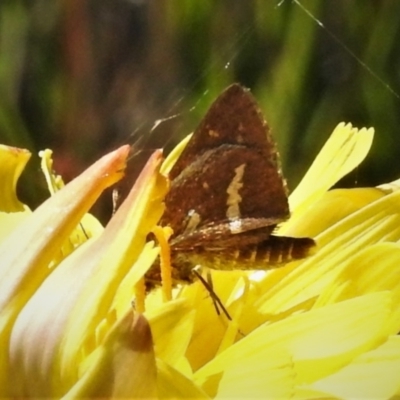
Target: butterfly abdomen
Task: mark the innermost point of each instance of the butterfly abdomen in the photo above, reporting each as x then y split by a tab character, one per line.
272	253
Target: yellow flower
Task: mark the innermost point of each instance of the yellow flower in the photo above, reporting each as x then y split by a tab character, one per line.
324	327
54	314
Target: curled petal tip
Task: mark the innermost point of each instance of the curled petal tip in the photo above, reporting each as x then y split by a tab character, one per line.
12	163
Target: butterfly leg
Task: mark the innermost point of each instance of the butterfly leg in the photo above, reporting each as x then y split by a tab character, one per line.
207	283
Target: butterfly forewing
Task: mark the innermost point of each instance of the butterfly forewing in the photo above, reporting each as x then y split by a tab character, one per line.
228	177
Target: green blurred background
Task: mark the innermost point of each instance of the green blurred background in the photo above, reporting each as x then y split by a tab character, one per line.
82	77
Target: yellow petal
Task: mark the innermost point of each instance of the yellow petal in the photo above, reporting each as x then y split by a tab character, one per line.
124	367
206	342
372	375
173	385
284	288
174	155
81	290
12	163
111	258
123	295
319	341
12	211
343	151
390	187
374	269
28	250
332	207
273	378
9	221
88	227
176	318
